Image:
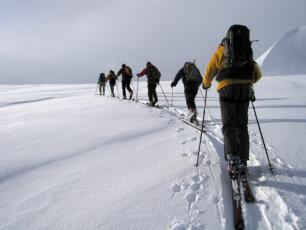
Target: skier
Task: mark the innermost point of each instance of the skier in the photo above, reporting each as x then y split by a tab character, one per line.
153	76
236	71
127	75
101	82
111	78
191	78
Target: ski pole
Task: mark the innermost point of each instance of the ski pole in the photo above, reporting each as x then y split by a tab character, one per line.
137	89
164	94
197	164
202	93
96	90
108	90
263	141
117	90
132	85
171	102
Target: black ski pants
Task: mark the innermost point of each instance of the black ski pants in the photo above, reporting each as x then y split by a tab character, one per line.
234	103
112	89
102	88
152	91
190	91
126	85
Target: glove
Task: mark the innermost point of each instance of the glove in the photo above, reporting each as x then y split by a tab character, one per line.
138	75
173	84
205	87
252	95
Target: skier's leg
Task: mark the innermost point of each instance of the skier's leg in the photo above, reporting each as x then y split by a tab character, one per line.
100	90
129	89
150	93
229	121
123	89
154	94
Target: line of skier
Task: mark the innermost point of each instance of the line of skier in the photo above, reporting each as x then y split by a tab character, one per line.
189	74
232	65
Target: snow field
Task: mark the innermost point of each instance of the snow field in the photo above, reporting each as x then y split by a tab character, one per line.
74	160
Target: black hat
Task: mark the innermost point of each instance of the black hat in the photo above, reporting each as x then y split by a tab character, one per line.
149	63
123	65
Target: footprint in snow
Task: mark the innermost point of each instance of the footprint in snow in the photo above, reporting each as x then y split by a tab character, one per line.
185	224
255	141
186	153
178	130
196	186
178	226
176	188
214	199
196	178
193	139
190	196
184	142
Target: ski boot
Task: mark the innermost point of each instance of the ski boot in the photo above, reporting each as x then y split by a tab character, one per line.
233	166
243	171
193	117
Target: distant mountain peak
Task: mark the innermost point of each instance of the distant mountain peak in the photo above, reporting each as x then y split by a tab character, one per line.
286	56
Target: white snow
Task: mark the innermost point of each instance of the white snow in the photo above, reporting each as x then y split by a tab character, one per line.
73	160
286	56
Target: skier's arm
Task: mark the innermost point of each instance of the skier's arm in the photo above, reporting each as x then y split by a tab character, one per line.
119	72
143	72
178	77
258	73
213	67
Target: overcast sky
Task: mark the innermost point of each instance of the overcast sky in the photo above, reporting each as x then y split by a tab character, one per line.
72	41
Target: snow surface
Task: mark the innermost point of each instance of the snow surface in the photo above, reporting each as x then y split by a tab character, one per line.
73	160
286	56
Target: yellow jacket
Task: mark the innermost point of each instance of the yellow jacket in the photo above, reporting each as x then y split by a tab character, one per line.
215	64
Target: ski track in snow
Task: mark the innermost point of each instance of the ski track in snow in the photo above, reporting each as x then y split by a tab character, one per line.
271	201
270	210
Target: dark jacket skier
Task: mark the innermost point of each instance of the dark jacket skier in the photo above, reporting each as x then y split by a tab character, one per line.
101	82
111	78
235	92
127	75
153	76
191	78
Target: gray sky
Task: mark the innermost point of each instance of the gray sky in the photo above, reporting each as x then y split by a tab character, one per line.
72	41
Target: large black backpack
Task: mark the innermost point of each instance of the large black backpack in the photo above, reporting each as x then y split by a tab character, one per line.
238	60
128	71
154	74
102	78
192	73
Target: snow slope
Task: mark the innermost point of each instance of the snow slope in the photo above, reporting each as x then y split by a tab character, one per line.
72	160
286	56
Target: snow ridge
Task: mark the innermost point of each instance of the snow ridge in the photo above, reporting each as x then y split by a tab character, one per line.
286	56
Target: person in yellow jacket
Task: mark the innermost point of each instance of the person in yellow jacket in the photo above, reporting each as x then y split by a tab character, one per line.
235	92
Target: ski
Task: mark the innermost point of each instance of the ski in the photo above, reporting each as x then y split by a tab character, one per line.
198	127
237	205
148	103
196	124
247	191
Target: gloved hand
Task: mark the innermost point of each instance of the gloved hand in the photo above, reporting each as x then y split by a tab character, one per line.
173	84
138	75
252	95
205	87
